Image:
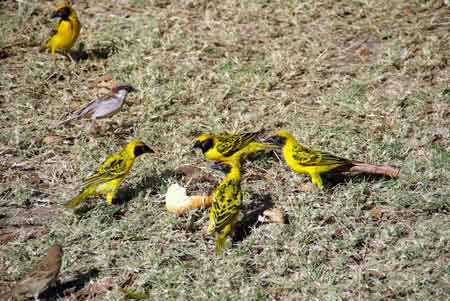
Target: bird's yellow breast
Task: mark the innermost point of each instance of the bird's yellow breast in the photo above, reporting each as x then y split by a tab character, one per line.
109	186
66	36
214	155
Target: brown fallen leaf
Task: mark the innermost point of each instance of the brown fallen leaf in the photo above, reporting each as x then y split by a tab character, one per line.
101	286
377	274
363	53
7	237
338	234
408	12
384	170
35	179
189	171
307	187
376	214
52	139
274	216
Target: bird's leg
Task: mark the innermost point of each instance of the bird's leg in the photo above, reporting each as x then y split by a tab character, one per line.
95	127
226	233
317	180
109	198
68	55
110	195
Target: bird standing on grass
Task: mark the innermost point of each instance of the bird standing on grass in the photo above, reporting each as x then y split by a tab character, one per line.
66	31
304	160
226	204
229	147
104	106
110	173
43	275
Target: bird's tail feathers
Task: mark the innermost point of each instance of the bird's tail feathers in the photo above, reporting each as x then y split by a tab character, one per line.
74	202
72	117
43	47
261	146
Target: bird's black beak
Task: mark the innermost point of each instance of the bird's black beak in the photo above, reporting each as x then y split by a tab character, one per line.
55	14
142	149
197	144
275	140
62	13
204	145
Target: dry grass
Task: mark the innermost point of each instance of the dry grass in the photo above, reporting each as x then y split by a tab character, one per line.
367	80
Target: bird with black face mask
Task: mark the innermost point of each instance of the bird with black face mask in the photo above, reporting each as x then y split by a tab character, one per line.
229	147
110	173
104	106
66	31
304	160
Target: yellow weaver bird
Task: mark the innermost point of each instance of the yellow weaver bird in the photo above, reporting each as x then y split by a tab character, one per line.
110	173
304	160
66	31
226	204
229	147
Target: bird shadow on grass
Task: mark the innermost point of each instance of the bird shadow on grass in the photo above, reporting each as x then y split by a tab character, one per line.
126	193
331	180
151	181
99	52
261	202
71	286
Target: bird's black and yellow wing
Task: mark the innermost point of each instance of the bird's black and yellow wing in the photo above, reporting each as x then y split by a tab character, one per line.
52	33
228	144
226	205
307	157
112	168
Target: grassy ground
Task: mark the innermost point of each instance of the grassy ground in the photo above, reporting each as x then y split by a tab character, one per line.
367	80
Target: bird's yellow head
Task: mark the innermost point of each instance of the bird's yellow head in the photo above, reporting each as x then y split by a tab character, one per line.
63	10
204	142
136	148
280	138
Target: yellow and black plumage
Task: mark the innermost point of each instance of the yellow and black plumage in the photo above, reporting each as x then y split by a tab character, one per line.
110	173
229	147
304	160
226	204
66	31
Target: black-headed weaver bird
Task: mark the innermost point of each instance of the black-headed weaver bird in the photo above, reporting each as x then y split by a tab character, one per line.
41	277
104	106
229	147
110	173
66	31
227	202
304	160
